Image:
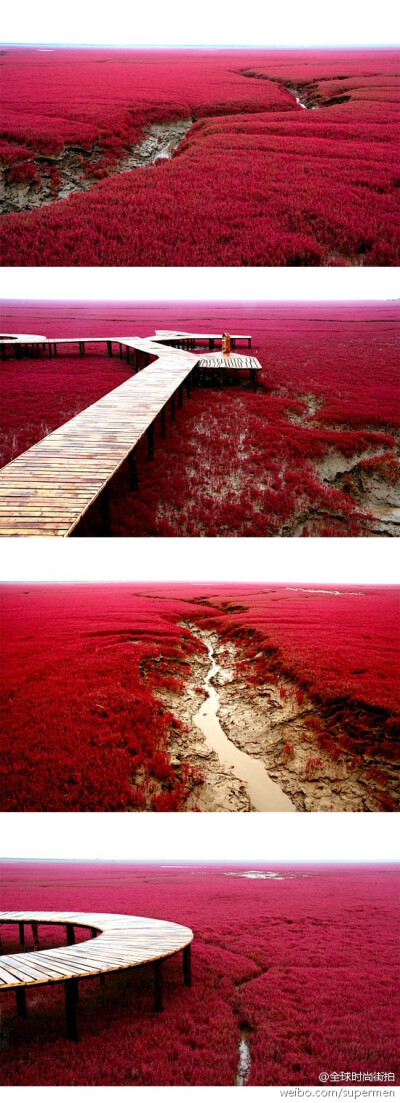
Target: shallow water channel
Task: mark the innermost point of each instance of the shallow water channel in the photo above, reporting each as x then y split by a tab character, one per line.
244	1066
264	794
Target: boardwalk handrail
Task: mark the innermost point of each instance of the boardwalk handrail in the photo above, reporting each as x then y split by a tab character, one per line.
46	490
117	942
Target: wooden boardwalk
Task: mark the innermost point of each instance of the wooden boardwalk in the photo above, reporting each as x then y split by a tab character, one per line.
48	489
117	942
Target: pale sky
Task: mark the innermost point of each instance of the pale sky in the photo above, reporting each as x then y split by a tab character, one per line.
345	22
319	836
147	284
321	561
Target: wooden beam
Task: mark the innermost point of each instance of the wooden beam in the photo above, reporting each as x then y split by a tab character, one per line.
70	932
158	986
21	1002
105	511
133	472
70	1009
187	965
35	935
150	442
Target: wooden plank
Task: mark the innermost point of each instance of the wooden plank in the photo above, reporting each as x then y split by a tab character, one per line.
123	942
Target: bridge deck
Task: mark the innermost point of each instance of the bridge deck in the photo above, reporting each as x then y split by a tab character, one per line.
48	489
117	942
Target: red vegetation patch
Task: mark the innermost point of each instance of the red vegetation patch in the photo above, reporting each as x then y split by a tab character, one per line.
294	960
87	732
277	185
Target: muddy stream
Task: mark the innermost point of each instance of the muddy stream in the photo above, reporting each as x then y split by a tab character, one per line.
244	1066
265	795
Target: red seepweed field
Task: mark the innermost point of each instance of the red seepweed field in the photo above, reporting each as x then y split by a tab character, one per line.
301	963
313	452
95	677
258	180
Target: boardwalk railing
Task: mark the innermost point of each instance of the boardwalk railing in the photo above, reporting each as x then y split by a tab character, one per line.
117	942
48	489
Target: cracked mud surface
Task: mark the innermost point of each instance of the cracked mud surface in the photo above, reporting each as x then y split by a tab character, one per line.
75	169
269	724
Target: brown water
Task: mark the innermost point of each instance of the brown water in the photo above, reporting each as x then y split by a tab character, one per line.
264	794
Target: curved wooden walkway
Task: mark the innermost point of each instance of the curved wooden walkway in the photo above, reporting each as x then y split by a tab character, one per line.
117	942
48	489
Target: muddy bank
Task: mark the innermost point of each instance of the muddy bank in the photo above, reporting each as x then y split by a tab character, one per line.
264	794
307	94
53	178
283	736
364	483
367	488
271	727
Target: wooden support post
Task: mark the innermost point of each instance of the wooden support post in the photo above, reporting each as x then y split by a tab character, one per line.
233	343
180	396
35	935
120	352
105	511
249	343
163	424
55	349
70	1008
70	934
133	474
158	986
173	407
21	1002
109	348
150	442
187	965
80	348
50	348
188	384
253	378
21	934
211	343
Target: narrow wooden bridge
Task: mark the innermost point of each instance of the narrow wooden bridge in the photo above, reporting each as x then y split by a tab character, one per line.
117	942
48	489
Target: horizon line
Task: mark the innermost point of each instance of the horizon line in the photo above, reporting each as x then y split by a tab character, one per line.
213	45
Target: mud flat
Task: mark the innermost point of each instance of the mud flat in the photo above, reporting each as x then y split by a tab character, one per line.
368	489
74	169
270	727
